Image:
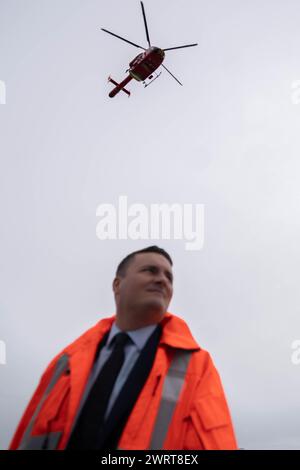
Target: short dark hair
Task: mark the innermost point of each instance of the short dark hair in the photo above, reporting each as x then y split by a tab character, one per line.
122	267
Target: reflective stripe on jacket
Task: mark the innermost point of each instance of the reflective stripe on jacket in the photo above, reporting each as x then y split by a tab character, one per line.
181	406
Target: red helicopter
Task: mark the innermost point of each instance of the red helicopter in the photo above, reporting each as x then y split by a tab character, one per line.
143	66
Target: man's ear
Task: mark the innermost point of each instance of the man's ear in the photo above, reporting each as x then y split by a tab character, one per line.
115	285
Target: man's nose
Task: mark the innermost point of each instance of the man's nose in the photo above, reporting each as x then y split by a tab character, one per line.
161	279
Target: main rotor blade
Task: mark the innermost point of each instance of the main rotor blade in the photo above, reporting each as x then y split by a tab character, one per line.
145	21
180	47
123	39
171	74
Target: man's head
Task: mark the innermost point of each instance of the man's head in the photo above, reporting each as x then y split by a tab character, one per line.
143	287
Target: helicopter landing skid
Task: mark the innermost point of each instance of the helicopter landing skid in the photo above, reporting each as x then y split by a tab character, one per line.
147	84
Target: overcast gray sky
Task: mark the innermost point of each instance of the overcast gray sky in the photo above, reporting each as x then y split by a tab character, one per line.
228	140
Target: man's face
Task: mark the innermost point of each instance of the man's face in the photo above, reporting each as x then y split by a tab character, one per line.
147	284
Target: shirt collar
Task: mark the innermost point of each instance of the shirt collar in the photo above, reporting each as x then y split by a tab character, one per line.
139	337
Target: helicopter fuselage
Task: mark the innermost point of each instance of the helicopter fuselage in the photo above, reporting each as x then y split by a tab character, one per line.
141	67
146	63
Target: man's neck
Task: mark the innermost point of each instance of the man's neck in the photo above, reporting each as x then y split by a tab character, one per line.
128	323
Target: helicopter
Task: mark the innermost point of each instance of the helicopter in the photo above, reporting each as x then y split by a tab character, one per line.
143	66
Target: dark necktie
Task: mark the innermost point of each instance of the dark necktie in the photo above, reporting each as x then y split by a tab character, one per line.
85	433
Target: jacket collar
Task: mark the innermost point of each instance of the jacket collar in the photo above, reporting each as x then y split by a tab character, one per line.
175	334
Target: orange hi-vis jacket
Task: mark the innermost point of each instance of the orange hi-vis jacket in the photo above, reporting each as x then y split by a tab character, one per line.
200	417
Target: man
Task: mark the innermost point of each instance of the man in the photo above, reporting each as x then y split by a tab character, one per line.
137	380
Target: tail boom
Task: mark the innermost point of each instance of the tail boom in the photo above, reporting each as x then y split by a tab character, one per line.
119	86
